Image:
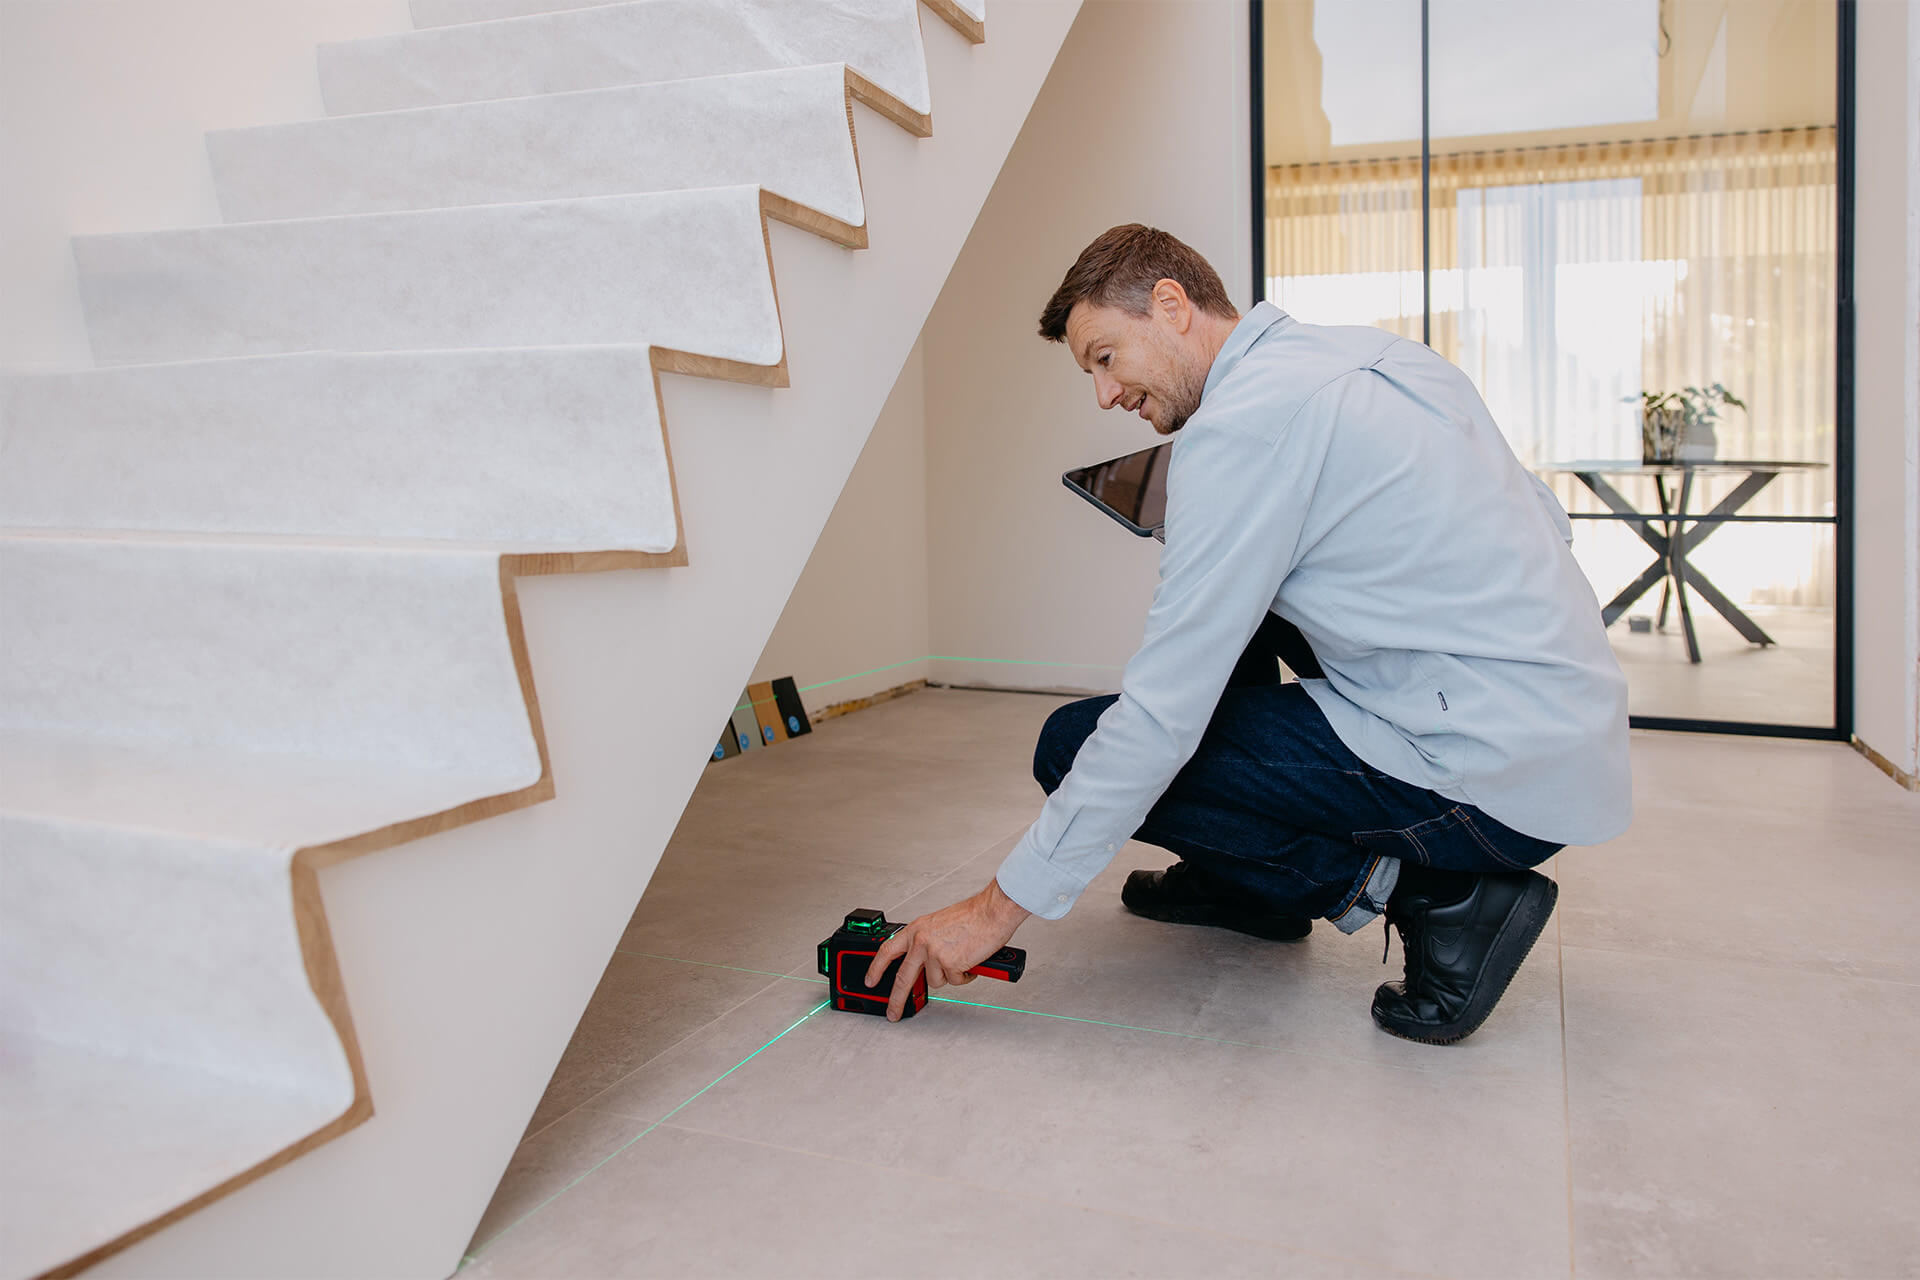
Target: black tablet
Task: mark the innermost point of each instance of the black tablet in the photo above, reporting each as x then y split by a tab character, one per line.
1131	489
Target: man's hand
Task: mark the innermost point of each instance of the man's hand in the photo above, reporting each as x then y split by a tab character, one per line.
947	943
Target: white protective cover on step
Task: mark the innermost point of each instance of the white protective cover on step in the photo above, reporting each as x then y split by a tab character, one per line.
537	449
632	43
682	269
324	651
786	130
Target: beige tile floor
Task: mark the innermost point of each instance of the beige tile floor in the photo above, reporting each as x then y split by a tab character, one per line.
1707	1067
1787	682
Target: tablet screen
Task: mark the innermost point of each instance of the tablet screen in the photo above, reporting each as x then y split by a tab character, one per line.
1131	489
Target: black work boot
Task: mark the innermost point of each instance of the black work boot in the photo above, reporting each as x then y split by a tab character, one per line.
1182	895
1464	938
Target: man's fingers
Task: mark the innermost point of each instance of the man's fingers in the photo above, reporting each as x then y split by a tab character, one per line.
890	950
910	970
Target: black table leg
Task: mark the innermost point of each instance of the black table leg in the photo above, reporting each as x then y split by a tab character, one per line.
1666	581
1742	494
1671	567
1724	607
1654	572
1677	566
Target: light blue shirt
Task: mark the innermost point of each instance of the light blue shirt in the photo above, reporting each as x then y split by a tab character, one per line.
1353	483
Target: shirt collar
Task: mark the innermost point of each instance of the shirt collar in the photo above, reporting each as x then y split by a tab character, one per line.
1256	322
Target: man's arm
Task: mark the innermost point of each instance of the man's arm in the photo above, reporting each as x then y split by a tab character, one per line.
1237	503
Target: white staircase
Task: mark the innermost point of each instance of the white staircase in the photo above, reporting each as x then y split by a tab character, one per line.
294	576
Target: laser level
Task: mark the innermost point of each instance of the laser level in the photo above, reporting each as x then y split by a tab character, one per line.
845	956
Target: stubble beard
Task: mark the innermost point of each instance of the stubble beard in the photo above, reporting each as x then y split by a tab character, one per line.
1182	401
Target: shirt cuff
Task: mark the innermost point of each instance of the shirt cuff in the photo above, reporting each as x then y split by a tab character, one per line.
1035	883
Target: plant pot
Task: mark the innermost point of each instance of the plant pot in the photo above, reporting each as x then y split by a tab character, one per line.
1660	435
1698	443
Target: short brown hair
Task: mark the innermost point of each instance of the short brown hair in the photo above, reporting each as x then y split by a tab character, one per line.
1120	270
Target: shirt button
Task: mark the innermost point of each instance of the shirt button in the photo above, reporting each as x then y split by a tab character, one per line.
1061	898
1109	848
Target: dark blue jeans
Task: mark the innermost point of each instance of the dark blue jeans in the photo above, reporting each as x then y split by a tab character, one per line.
1274	807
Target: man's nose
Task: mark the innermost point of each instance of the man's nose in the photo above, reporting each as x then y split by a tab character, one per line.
1106	391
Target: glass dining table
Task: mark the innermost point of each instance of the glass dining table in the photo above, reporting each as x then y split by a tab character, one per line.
1674	532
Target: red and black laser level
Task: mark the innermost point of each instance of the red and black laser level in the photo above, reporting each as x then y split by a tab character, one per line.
845	956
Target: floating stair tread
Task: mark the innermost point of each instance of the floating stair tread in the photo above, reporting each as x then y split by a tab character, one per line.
405	658
686	270
786	130
539	449
637	42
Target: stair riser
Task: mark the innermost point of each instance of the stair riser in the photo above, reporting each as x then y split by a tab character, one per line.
685	270
787	131
553	448
619	44
335	654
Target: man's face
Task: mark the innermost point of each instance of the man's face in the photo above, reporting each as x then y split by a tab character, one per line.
1143	364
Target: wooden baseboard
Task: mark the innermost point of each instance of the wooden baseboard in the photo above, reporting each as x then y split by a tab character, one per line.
852	705
1888	767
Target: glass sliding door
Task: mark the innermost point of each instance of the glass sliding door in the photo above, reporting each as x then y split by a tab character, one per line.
1626	199
1342	129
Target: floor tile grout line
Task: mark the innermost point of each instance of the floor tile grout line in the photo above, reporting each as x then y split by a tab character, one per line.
961	865
651	1126
705	964
1031	1197
1496	1073
653	1058
1566	1087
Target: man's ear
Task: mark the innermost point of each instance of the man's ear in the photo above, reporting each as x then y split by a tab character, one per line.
1171	301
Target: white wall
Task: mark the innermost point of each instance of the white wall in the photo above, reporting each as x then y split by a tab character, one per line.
1000	563
78	160
1143	120
861	603
1887	408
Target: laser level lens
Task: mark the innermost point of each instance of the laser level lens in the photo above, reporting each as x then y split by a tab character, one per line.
865	920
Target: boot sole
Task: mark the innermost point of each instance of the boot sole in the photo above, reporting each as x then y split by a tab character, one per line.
1518	933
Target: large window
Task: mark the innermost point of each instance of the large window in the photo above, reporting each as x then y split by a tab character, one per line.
1578	201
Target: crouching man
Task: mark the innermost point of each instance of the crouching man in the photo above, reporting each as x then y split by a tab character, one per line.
1341	498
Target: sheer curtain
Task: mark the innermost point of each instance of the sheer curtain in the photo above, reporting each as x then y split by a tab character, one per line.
1567	278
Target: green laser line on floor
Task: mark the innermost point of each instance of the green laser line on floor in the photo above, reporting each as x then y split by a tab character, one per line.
474	1256
976	1004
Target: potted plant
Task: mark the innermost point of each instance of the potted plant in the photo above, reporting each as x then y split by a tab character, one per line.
1678	426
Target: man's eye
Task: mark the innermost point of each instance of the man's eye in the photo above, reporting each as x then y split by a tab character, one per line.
1105	361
